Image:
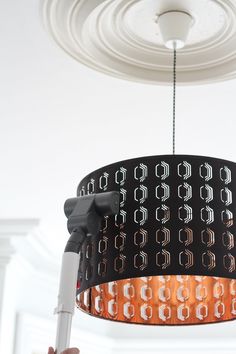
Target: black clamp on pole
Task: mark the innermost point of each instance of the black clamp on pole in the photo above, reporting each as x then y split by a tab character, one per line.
85	214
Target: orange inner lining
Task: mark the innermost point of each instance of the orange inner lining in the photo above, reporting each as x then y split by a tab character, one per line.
166	300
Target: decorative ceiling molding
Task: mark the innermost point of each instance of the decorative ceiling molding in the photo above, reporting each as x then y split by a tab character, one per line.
24	239
121	38
17	227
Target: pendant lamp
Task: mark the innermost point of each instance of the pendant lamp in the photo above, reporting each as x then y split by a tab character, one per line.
168	256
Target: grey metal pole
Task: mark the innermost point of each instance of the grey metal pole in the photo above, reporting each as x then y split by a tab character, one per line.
66	299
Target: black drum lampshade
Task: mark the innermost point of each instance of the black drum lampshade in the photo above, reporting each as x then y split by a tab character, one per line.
168	257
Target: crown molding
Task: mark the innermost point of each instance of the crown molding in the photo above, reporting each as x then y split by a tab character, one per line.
23	239
17	227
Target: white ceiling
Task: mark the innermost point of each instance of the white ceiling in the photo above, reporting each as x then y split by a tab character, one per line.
60	120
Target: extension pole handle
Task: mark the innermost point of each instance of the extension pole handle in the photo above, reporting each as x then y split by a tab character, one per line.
66	299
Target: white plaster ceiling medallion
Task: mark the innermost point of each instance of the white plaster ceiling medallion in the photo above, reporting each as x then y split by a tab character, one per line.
122	38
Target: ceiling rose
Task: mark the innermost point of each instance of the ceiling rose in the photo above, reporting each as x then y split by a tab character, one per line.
122	38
